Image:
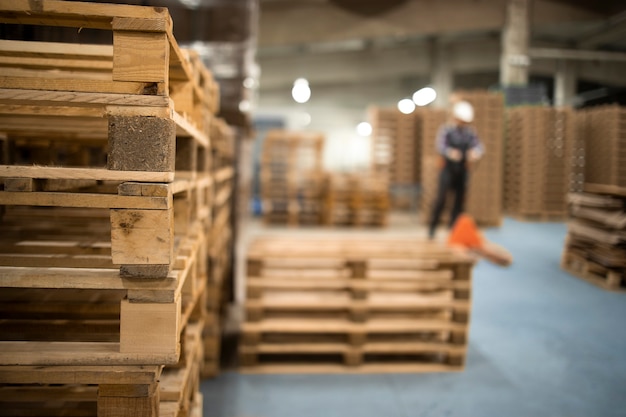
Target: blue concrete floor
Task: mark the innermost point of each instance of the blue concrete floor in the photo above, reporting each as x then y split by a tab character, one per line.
542	344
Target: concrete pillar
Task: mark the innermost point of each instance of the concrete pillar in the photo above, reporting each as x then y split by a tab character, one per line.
565	83
441	72
514	60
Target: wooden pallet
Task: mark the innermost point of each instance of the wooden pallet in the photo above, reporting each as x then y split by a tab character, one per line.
594	273
144	327
144	218
376	342
378	303
365	304
147	391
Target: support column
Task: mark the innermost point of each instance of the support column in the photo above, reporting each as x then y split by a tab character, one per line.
441	72
565	83
514	60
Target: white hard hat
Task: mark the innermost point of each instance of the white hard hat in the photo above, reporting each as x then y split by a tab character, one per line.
463	111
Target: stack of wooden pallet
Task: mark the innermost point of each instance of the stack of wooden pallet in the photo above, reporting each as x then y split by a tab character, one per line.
220	248
356	200
605	145
595	247
341	200
103	267
484	199
384	132
539	162
433	119
596	241
355	305
375	201
291	177
484	195
396	150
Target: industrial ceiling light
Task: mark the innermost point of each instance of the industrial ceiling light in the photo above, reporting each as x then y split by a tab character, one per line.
406	106
424	96
364	129
301	92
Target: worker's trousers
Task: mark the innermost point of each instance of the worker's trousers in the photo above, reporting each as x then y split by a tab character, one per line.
449	180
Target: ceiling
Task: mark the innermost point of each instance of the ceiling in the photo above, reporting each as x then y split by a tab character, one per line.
342	43
573	23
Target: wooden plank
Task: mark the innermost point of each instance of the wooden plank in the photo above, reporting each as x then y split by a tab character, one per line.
48	97
144	374
78	14
97	279
84	200
77	353
369	347
76	85
83	174
324	302
86	129
56	261
10	396
302	368
187	128
55	50
365	285
605	189
339	326
140	24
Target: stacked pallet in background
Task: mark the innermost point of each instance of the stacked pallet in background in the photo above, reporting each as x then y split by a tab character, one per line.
396	151
605	145
106	197
345	304
595	247
433	119
539	162
375	201
340	200
484	199
384	131
484	194
291	177
356	200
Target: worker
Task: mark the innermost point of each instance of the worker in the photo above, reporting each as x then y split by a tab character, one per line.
459	147
466	237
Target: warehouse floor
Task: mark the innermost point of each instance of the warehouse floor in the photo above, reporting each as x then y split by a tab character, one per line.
542	343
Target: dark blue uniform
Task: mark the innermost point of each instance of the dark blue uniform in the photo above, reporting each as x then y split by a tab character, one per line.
454	174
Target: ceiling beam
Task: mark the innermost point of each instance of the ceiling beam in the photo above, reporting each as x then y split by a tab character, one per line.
576	54
302	22
615	29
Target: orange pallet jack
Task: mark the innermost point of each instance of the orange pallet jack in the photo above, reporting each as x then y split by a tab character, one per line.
466	237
